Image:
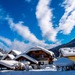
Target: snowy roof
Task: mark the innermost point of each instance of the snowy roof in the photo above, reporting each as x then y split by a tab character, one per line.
40	48
9	64
28	57
63	62
15	51
8	55
67	51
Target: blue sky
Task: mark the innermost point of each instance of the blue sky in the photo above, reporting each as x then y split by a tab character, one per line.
27	23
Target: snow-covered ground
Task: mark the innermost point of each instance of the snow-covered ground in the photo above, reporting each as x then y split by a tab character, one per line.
37	72
46	69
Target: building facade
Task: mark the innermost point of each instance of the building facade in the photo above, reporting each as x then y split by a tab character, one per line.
42	55
68	53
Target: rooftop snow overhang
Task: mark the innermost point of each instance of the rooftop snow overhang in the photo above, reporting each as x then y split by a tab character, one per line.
9	64
28	57
8	55
15	51
36	48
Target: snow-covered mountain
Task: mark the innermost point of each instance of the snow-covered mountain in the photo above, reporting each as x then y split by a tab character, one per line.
69	44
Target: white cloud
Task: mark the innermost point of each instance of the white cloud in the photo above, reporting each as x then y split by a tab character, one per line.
21	45
45	22
5	40
44	16
67	22
23	31
18	45
7	44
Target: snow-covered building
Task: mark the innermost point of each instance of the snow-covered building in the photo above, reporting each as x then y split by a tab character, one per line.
8	57
36	56
27	60
68	53
5	64
11	55
64	63
14	52
42	55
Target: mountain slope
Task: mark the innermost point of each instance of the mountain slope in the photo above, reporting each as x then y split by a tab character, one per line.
56	49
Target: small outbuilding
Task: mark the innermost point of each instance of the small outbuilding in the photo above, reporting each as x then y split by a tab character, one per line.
11	55
14	52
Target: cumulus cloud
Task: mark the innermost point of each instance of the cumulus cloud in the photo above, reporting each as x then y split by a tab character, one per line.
67	21
44	16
